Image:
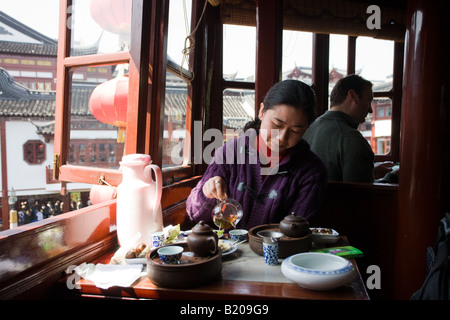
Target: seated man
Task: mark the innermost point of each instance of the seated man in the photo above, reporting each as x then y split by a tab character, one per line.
334	136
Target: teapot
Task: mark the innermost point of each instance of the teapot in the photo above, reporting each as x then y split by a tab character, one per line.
294	226
138	200
203	241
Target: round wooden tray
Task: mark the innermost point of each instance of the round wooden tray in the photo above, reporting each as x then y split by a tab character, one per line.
287	246
192	271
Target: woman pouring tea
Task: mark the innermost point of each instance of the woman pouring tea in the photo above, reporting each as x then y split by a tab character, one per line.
269	169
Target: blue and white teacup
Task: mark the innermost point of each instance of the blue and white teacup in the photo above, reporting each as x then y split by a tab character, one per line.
238	234
158	239
270	245
170	254
270	253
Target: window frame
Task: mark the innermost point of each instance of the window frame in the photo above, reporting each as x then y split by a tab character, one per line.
321	46
35	144
147	52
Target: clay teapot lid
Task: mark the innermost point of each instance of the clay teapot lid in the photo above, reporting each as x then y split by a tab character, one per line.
294	218
202	227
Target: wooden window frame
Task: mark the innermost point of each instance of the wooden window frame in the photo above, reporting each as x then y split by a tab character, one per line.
35	145
269	72
320	84
148	63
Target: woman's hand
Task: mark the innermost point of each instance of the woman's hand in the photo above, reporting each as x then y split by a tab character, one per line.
215	187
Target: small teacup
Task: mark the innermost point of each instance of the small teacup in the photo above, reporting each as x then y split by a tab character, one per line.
238	234
270	246
158	239
170	254
270	253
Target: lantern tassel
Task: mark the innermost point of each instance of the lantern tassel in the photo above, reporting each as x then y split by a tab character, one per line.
121	135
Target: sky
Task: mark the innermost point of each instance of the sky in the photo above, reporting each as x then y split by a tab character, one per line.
41	15
239	43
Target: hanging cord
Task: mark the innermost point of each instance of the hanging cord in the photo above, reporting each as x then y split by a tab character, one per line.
189	41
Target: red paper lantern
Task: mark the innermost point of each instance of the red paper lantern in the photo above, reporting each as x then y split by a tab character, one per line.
108	103
112	15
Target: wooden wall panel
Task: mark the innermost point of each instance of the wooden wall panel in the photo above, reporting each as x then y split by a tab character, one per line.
366	214
34	256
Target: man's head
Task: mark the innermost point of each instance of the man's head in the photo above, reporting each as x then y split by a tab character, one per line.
352	95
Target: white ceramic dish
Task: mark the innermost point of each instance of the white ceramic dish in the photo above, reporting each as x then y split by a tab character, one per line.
318	271
324	238
233	248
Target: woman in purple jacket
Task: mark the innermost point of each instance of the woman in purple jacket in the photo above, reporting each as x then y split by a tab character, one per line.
268	169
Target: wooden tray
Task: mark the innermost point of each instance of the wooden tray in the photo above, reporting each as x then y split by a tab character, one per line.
287	246
192	271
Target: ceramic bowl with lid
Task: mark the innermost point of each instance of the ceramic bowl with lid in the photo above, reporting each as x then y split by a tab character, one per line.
318	271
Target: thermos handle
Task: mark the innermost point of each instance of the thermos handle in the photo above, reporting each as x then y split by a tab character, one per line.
158	181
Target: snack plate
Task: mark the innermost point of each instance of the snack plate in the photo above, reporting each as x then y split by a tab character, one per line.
233	248
324	238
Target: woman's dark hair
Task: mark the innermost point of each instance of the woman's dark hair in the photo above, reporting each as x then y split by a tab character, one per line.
293	93
342	87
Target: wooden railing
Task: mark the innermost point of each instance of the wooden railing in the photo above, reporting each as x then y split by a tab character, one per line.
34	257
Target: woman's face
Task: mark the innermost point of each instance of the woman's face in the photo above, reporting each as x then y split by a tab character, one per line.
282	127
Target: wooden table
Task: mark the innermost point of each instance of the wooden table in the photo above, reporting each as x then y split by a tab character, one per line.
244	276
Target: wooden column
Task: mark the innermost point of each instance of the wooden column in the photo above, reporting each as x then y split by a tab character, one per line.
139	78
425	145
4	170
269	39
147	76
320	70
351	54
207	85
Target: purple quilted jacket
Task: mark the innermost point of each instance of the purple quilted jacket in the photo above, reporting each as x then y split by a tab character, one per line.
297	186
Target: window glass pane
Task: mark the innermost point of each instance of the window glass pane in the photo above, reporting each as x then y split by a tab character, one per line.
179	28
375	61
377	128
338	59
98	104
99	26
377	68
174	135
297	56
239	53
238	109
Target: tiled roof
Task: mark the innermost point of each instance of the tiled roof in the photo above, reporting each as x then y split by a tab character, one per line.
27	108
18	101
37	49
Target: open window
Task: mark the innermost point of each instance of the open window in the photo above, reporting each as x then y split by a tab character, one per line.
115	65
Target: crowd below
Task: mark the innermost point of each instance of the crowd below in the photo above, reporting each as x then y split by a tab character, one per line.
37	210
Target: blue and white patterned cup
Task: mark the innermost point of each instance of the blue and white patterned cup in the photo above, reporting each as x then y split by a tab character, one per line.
270	253
170	254
270	245
238	234
158	239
